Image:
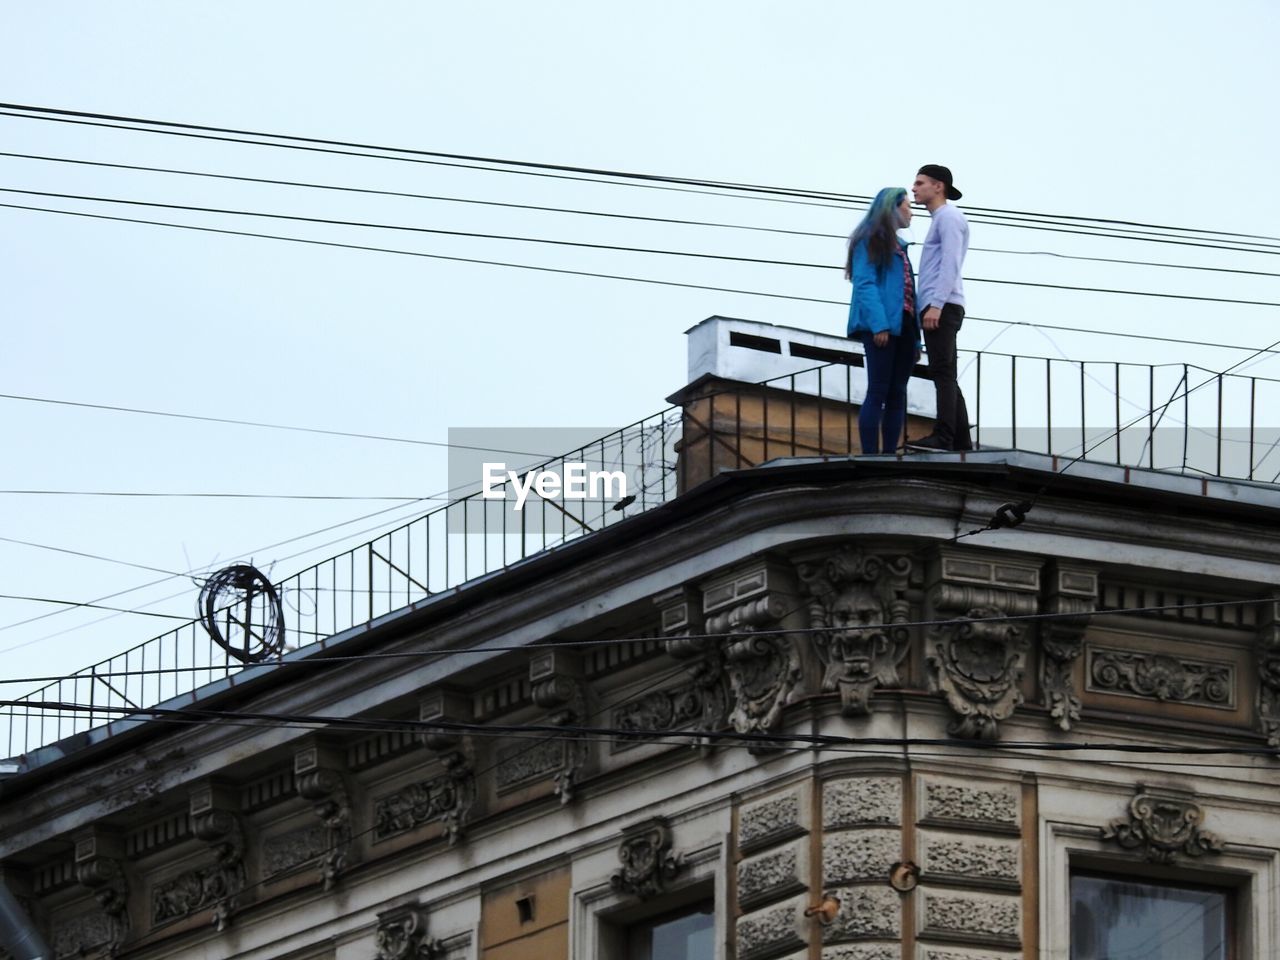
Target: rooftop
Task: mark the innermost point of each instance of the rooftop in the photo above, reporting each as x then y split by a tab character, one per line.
760	398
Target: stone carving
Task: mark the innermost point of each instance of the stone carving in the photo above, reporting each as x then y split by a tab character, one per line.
1163	825
963	860
859	855
771	931
557	687
402	935
1269	674
977	918
763	667
995	807
104	875
861	802
520	763
772	875
1074	597
647	860
327	790
977	664
707	691
82	934
444	799
214	887
769	821
865	913
863	951
1160	677
283	853
696	703
860	602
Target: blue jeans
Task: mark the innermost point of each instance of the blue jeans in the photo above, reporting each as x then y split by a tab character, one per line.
884	410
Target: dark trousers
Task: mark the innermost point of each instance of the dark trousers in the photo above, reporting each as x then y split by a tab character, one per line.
952	424
884	409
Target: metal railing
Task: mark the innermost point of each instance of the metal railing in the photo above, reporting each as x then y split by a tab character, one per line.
1176	417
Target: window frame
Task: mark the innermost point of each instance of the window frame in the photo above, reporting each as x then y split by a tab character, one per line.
1252	873
601	916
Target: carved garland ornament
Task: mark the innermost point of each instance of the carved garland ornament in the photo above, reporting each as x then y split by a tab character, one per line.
1073	599
977	664
1269	675
105	877
647	861
859	601
326	789
702	702
1163	826
558	688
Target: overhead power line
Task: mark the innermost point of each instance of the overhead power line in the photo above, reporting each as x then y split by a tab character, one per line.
30	111
257	423
91	606
435	231
565	271
613	215
728	736
799	632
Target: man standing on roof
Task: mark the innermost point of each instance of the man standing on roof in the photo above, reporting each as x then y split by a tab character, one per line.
941	299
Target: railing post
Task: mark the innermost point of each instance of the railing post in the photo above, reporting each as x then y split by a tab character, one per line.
1116	365
1219	471
977	407
1084	446
1253	390
1013	405
1186	413
1151	416
1048	406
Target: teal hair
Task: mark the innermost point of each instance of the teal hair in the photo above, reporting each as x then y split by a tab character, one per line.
879	228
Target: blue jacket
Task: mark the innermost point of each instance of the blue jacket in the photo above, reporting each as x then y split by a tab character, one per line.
877	294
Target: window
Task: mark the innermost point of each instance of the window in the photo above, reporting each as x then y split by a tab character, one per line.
1128	918
686	935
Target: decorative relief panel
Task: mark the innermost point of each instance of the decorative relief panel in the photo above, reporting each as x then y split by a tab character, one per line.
1151	676
286	852
690	704
973	918
866	913
977	660
943	953
994	807
772	820
1163	825
647	861
527	761
82	934
859	601
763	667
957	859
775	874
445	799
862	801
859	855
772	931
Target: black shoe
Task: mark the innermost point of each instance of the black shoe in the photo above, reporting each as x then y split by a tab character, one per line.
932	442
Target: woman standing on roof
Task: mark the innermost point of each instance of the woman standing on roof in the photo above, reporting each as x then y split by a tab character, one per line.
882	316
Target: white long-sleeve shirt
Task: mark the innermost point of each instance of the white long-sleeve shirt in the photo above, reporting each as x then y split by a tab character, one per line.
945	247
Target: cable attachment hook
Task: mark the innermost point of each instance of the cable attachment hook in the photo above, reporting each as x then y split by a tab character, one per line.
1010	514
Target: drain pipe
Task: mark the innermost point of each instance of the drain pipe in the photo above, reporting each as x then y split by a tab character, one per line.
18	934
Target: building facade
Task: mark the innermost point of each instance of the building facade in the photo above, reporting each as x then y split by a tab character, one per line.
800	711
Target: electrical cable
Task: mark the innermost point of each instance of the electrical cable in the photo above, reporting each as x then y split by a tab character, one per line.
93	606
595	246
267	426
30	112
230	496
622	641
334	721
608	214
561	270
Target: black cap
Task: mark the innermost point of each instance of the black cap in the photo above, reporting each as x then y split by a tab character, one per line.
939	172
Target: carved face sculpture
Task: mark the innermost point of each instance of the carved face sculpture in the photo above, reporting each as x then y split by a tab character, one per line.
853	611
984	654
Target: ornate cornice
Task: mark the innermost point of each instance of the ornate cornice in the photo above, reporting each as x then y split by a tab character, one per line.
1072	593
318	778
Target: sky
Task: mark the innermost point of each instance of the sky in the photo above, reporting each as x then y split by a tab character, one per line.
1157	112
